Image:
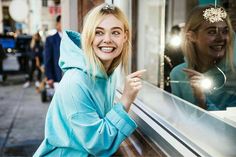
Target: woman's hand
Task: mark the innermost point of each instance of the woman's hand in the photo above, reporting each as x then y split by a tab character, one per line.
195	80
133	84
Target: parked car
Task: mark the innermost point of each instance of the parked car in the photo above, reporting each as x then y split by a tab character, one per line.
14	55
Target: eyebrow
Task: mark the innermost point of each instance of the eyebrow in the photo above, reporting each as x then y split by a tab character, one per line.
214	27
111	28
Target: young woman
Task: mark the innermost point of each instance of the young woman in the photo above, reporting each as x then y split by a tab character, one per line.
36	59
208	49
82	119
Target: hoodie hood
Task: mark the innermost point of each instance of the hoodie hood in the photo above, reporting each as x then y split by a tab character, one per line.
71	54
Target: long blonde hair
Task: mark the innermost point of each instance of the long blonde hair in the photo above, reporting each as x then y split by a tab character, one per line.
92	20
194	21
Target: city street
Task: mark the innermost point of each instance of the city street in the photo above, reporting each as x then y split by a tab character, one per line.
22	116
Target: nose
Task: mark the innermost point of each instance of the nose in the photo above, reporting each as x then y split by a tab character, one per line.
221	35
107	38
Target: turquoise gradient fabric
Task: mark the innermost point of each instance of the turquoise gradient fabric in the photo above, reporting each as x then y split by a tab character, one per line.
222	97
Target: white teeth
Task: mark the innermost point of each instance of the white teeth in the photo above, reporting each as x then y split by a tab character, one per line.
217	48
106	49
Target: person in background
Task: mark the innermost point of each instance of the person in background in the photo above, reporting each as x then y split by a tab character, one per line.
22	46
83	119
36	58
207	76
53	72
173	54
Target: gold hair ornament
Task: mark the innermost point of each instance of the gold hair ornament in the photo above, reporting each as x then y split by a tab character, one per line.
214	14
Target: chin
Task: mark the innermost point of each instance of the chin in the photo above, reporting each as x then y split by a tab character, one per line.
219	55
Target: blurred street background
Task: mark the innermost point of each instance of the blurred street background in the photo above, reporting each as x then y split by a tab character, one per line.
24	27
22	116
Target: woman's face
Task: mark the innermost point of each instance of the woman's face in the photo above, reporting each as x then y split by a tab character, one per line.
211	39
109	39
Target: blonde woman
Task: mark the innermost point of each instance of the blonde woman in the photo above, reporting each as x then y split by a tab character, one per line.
207	76
82	119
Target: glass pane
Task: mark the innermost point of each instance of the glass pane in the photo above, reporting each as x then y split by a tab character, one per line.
151	38
201	130
207	76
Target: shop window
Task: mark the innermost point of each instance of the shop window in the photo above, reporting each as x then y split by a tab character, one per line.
151	19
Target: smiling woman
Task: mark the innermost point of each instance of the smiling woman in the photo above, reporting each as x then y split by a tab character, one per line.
83	119
208	48
109	39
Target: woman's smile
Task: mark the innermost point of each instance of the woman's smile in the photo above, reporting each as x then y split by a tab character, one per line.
107	49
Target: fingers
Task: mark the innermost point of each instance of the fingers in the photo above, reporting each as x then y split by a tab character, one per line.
135	79
195	77
138	73
136	82
195	83
191	72
133	83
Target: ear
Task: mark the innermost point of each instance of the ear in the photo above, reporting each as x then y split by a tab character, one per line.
191	35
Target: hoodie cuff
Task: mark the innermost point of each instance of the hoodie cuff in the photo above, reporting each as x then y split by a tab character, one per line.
211	106
121	120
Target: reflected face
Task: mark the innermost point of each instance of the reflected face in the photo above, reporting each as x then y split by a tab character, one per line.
109	39
211	39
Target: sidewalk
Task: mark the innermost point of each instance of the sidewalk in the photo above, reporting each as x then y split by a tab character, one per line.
22	116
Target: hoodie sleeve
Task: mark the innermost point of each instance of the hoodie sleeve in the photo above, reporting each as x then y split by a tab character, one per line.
99	136
231	102
175	88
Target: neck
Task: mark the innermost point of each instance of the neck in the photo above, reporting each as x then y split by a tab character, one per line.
205	65
106	65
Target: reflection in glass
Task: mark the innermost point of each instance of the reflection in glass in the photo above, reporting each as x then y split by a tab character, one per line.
208	50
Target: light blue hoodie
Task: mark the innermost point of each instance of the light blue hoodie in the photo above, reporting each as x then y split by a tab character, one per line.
223	96
82	119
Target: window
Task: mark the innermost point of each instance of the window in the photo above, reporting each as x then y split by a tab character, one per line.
44	3
151	19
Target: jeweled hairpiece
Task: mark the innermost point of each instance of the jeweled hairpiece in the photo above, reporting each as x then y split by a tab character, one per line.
214	14
108	7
